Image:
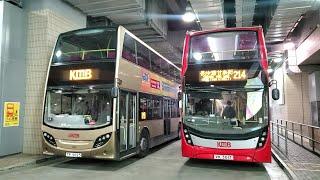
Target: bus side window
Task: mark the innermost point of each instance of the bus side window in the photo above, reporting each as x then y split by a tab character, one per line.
174	109
155	62
143	109
129	50
165	68
166	108
157	108
149	106
143	56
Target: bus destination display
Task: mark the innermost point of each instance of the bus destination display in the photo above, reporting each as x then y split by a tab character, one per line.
223	75
80	74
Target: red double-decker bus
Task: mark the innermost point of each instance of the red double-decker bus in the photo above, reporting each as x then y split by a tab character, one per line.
225	95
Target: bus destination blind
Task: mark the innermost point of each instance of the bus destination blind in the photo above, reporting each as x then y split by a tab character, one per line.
223	75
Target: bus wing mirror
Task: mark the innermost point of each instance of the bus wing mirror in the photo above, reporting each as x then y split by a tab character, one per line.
179	95
275	94
114	92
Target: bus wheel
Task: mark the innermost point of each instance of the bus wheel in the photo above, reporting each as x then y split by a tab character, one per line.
143	145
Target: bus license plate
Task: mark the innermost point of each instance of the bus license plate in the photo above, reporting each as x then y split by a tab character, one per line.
71	154
223	157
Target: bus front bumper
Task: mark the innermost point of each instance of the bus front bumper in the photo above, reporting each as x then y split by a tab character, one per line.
258	155
104	152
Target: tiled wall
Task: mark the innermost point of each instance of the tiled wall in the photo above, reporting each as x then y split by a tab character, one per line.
296	105
44	27
297	98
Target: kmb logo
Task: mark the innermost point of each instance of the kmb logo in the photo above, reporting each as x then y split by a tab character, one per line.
80	74
223	144
73	135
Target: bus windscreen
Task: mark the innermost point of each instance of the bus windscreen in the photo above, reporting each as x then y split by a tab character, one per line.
86	45
79	108
222	46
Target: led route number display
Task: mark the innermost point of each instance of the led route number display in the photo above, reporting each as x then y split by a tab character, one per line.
223	75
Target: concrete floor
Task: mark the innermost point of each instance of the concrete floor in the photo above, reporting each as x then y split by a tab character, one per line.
164	162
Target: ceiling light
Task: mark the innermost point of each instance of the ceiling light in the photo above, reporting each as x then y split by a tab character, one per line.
288	45
270	71
277	60
197	56
58	53
189	17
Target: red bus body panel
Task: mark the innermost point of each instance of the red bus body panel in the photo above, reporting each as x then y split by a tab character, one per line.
259	30
258	155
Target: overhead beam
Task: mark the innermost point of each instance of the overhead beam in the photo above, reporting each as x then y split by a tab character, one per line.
264	12
229	13
176	6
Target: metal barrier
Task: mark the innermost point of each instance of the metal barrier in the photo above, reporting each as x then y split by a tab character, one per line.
295	132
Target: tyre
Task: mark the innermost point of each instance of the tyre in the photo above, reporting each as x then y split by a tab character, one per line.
144	144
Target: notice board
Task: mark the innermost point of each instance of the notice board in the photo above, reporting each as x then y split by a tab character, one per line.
11	114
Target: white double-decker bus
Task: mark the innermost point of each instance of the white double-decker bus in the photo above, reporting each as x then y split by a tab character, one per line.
108	96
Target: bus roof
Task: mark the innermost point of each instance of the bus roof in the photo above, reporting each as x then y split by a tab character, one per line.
89	28
131	34
145	44
256	28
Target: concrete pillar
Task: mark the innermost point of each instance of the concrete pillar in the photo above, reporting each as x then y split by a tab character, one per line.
314	91
46	19
12	73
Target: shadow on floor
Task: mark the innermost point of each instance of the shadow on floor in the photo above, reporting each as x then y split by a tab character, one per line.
106	165
225	165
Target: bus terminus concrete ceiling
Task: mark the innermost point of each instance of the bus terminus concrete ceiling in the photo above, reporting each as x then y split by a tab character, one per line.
225	113
108	96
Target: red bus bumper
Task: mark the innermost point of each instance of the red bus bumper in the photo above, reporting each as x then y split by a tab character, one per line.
259	155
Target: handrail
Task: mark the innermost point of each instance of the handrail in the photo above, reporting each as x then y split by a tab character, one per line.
87	51
282	129
316	127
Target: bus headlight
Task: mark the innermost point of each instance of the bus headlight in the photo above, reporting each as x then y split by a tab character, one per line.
49	138
102	140
262	138
187	136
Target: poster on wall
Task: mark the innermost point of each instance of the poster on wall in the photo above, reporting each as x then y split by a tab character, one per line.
11	114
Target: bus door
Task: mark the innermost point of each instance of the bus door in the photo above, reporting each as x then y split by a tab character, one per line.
128	120
166	116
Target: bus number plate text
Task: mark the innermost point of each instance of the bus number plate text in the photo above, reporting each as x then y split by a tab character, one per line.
223	157
71	154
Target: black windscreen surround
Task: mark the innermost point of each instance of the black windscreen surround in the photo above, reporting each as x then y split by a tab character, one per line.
82	74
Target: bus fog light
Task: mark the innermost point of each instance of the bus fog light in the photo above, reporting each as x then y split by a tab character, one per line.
101	140
185	131
49	138
264	133
262	138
